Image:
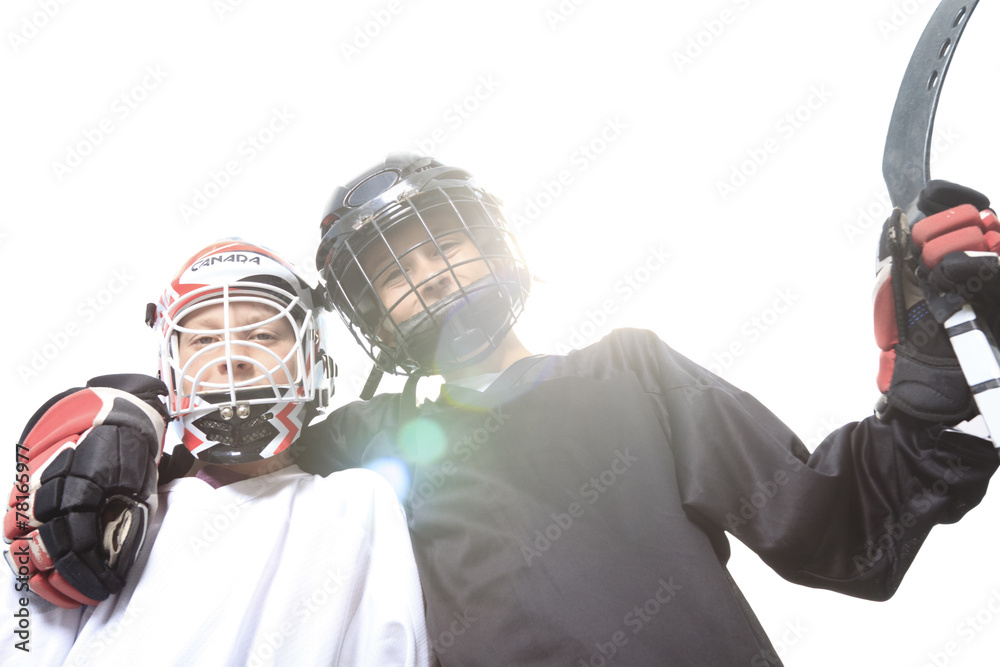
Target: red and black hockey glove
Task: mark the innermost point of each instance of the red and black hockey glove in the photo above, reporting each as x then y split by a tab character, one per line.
86	466
919	375
959	262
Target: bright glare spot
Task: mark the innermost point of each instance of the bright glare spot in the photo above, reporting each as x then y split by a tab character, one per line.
422	441
395	471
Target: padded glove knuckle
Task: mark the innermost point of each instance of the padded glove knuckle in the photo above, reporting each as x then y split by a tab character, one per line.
92	456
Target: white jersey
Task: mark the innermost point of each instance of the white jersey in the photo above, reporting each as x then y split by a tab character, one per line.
286	568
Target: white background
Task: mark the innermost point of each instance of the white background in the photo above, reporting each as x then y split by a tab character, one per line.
94	222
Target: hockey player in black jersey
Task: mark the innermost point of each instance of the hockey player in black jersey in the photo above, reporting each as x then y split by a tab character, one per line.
573	509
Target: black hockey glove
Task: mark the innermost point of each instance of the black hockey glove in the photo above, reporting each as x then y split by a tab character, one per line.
86	466
918	374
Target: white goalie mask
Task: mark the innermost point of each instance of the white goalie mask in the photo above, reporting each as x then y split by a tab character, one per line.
241	352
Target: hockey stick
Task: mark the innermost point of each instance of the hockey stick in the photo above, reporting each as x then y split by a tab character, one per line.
906	169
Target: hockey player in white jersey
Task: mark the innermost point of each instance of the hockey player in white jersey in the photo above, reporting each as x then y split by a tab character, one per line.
249	560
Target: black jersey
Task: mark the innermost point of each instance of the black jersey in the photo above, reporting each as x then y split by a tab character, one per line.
575	512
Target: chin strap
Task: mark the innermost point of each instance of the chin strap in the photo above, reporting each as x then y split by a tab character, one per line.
408	400
371	384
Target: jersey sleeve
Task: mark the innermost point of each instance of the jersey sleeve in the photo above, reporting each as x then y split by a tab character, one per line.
349	435
848	516
387	625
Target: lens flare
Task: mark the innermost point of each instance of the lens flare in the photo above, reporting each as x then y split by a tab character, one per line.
395	472
421	441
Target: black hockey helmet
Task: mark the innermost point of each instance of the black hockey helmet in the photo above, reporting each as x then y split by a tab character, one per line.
358	228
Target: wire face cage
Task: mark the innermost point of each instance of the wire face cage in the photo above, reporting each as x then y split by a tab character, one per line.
433	280
230	359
